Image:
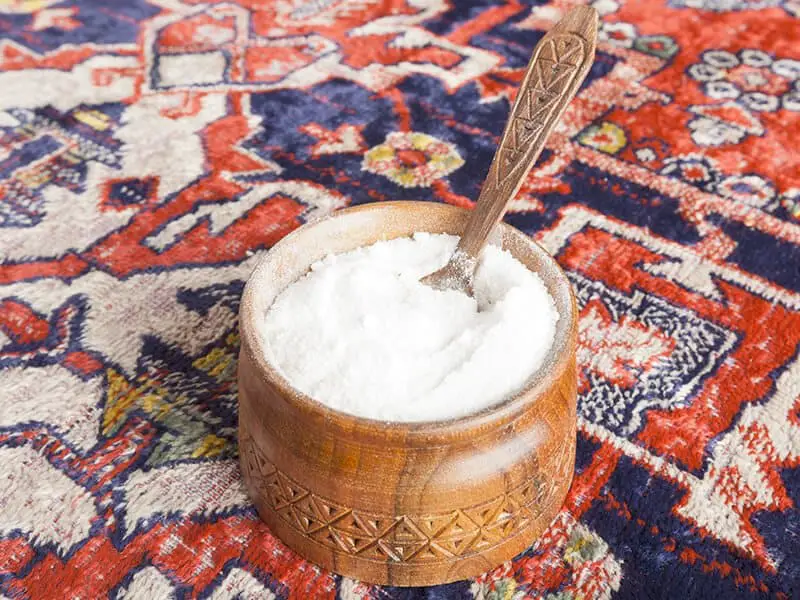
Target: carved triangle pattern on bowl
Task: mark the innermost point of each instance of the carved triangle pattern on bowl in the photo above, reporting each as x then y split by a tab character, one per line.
403	538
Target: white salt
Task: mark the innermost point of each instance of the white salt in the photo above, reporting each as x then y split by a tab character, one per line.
361	334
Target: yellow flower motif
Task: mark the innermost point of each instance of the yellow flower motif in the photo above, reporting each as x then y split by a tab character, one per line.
381	152
606	137
420	141
412	159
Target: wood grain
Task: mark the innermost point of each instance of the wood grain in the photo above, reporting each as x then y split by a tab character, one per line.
403	503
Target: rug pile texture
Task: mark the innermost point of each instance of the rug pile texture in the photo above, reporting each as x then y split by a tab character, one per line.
152	150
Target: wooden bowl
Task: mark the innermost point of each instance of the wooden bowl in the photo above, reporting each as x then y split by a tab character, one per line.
403	504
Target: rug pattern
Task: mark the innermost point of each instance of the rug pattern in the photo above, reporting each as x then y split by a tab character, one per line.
152	150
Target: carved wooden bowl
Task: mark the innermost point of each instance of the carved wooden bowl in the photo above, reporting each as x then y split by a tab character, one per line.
403	503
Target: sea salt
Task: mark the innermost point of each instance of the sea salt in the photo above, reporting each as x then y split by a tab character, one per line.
361	334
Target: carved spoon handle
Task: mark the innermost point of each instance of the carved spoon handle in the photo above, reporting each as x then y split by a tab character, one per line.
556	70
559	65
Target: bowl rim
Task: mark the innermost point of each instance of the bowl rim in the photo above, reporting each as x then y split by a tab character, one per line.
506	411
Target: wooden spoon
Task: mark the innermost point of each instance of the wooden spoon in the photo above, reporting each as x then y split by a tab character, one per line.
559	65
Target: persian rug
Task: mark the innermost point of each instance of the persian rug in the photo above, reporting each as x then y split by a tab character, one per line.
152	150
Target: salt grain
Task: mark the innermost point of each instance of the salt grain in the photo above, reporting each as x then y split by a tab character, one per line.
360	334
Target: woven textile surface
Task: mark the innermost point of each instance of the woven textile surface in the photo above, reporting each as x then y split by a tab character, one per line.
152	150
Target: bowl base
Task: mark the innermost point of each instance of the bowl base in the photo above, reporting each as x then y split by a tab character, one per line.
401	550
